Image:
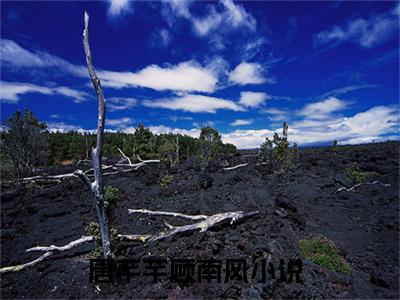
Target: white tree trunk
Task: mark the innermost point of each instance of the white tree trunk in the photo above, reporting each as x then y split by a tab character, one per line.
97	153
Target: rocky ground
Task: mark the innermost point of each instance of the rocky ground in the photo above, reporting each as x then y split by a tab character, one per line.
297	204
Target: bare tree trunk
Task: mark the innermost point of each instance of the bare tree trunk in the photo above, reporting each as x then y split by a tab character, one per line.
86	147
177	150
97	153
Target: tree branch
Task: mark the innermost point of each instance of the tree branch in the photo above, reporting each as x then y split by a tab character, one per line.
352	189
165	213
48	252
206	223
126	157
235	167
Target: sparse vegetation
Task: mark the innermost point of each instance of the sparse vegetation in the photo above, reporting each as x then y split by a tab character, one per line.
335	146
93	229
324	253
24	142
59	147
169	149
166	180
111	195
354	173
210	142
277	149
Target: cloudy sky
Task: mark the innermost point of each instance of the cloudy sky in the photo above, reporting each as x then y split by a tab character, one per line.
329	69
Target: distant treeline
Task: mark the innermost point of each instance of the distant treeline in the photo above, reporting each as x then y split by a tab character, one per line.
73	145
26	143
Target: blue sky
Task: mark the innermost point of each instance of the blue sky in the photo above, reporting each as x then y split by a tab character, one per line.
329	69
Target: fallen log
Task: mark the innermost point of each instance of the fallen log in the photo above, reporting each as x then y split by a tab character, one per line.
48	252
352	189
205	223
236	167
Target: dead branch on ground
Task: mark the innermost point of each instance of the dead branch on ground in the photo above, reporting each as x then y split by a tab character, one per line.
352	189
203	225
48	252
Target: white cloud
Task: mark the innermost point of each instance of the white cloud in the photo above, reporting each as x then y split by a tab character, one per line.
78	96
237	16
322	109
246	139
346	89
276	114
186	76
160	38
275	111
194	103
11	91
364	126
118	7
165	37
204	124
175	118
367	33
247	73
14	56
119	123
378	123
240	122
251	49
194	132
55	116
252	99
63	127
115	103
225	16
203	26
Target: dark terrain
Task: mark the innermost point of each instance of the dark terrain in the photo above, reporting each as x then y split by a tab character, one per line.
299	203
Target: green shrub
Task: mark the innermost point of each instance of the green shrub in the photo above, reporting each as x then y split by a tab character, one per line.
111	195
210	142
166	180
169	149
355	174
324	253
277	149
93	229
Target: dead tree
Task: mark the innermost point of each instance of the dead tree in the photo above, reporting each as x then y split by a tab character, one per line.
97	186
204	223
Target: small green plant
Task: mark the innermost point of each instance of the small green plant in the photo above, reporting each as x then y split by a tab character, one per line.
166	180
324	253
93	229
277	149
355	174
111	195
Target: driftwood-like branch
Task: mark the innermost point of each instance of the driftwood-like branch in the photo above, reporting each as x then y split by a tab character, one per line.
165	213
135	237
206	223
236	167
118	168
126	157
82	161
24	266
51	248
48	252
352	189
